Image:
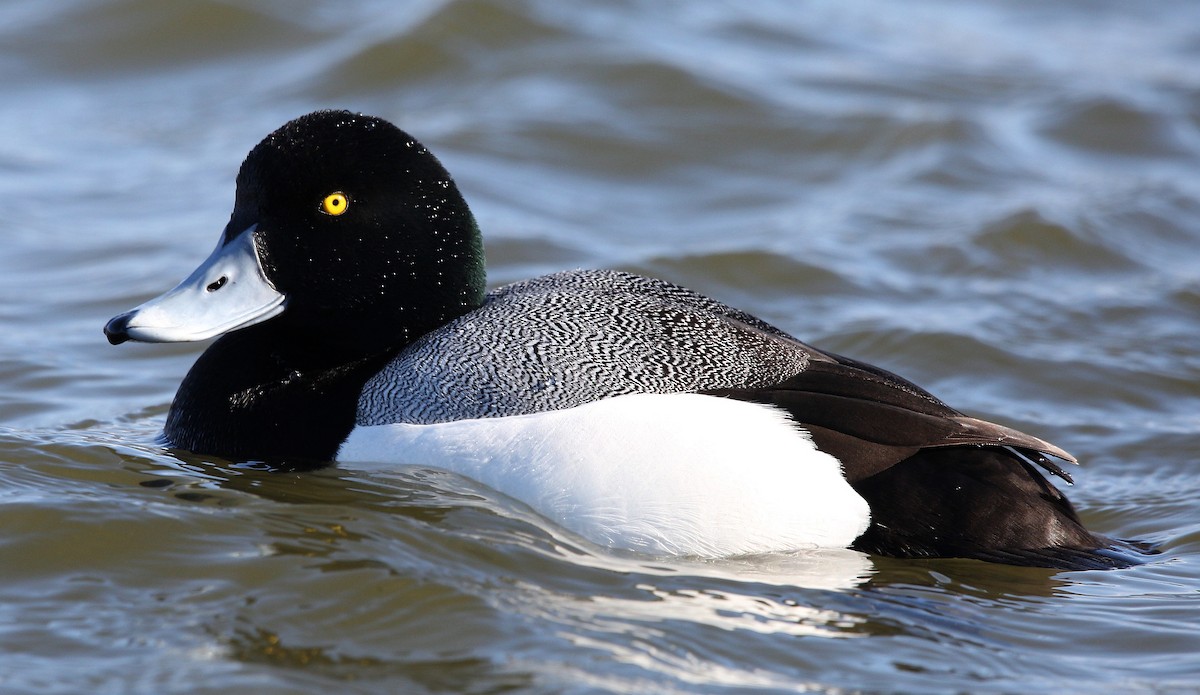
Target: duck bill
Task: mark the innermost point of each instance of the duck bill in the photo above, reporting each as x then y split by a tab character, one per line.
227	292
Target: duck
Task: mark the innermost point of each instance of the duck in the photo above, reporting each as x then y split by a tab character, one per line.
347	295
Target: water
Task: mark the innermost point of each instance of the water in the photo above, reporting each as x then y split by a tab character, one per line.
998	200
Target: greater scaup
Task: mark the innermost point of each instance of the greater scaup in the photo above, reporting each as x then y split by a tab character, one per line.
348	291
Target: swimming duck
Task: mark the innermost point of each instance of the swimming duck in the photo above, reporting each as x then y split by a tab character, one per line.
348	291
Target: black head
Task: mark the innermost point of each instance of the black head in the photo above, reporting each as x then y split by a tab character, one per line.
359	226
345	232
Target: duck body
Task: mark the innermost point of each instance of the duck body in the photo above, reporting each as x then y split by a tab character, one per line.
348	293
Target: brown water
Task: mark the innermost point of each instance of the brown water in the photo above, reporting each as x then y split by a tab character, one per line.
998	200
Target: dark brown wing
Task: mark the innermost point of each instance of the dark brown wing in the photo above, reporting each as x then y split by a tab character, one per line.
870	419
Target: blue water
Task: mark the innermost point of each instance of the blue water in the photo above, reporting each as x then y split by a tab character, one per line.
997	200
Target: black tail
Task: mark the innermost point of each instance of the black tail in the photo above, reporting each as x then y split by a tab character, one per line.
987	503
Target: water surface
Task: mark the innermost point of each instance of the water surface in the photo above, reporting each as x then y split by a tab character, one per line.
997	200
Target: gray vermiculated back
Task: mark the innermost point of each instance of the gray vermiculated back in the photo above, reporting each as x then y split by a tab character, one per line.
574	337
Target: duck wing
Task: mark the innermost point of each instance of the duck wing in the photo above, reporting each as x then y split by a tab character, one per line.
871	419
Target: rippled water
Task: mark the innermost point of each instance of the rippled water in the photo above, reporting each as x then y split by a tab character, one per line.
998	200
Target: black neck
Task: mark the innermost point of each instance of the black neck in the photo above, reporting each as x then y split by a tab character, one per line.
258	395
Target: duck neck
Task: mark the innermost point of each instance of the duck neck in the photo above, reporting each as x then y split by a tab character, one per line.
261	394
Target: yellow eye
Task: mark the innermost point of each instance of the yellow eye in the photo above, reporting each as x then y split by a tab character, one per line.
335	203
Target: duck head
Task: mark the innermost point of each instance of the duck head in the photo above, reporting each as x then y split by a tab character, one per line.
344	230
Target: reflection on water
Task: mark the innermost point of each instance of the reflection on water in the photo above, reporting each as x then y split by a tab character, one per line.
997	201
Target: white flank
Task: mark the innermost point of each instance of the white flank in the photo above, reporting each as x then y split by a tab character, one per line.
679	474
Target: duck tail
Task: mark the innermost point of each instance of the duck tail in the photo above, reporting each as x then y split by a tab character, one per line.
987	503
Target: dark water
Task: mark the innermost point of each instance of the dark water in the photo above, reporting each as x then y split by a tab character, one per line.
998	200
